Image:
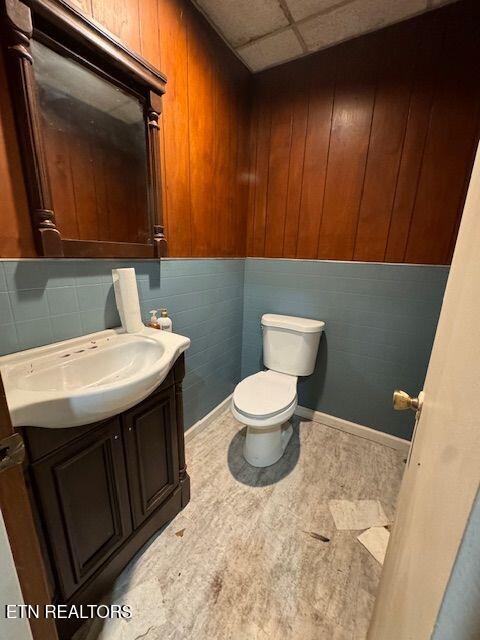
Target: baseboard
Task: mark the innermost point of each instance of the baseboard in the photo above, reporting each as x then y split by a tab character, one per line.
203	423
355	429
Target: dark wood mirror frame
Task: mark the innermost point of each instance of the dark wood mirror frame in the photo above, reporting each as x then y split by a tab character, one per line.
19	20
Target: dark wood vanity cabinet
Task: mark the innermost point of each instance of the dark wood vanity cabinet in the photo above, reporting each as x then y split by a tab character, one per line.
101	491
151	449
84	503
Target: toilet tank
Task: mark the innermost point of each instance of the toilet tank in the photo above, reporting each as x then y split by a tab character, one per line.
290	344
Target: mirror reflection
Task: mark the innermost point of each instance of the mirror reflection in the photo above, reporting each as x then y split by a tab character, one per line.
95	146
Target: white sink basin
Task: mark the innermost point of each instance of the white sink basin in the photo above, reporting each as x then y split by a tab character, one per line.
86	379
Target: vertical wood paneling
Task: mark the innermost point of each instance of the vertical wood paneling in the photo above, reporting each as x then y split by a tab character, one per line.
278	163
148	24
201	107
16	237
450	141
223	143
101	193
299	91
252	170
381	147
60	173
97	193
386	140
122	18
263	131
425	74
117	195
204	137
241	191
215	87
176	129
238	184
350	135
350	156
85	6
322	72
83	180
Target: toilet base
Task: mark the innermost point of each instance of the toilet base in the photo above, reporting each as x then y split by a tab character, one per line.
263	447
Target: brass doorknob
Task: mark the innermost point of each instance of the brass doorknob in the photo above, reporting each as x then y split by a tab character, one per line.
402	401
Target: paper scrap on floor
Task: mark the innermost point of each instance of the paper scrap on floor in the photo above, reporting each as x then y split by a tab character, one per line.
375	540
357	514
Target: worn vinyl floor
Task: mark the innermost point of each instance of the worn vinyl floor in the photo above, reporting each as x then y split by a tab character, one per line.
239	562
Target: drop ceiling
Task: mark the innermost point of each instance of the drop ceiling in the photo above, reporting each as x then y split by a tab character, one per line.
265	33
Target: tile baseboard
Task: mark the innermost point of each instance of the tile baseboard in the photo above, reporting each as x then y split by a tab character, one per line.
354	429
385	439
204	422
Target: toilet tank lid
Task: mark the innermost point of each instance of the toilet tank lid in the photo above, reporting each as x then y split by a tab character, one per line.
302	325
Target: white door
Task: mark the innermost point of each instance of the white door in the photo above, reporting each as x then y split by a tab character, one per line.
442	477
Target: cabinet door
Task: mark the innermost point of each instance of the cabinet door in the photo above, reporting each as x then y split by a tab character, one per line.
84	500
151	446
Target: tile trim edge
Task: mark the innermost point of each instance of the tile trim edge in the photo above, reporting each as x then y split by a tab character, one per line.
204	422
355	429
352	262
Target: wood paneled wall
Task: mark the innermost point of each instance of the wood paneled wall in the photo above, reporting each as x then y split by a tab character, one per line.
364	151
360	152
204	130
16	239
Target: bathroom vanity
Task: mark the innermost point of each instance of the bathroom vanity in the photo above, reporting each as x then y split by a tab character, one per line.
101	491
105	461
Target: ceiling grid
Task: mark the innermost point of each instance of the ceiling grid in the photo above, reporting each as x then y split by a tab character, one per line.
266	33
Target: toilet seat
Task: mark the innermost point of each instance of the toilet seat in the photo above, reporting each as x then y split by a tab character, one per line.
265	402
265	395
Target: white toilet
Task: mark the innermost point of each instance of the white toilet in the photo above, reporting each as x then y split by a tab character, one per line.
268	399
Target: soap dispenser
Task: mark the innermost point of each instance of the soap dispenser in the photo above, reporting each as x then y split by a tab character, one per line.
164	321
154	322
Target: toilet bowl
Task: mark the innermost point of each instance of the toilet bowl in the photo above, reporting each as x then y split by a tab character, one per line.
266	401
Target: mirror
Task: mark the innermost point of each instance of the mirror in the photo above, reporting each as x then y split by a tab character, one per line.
87	113
95	149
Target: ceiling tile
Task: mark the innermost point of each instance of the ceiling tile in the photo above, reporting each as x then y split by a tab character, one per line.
301	9
356	18
271	50
243	20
